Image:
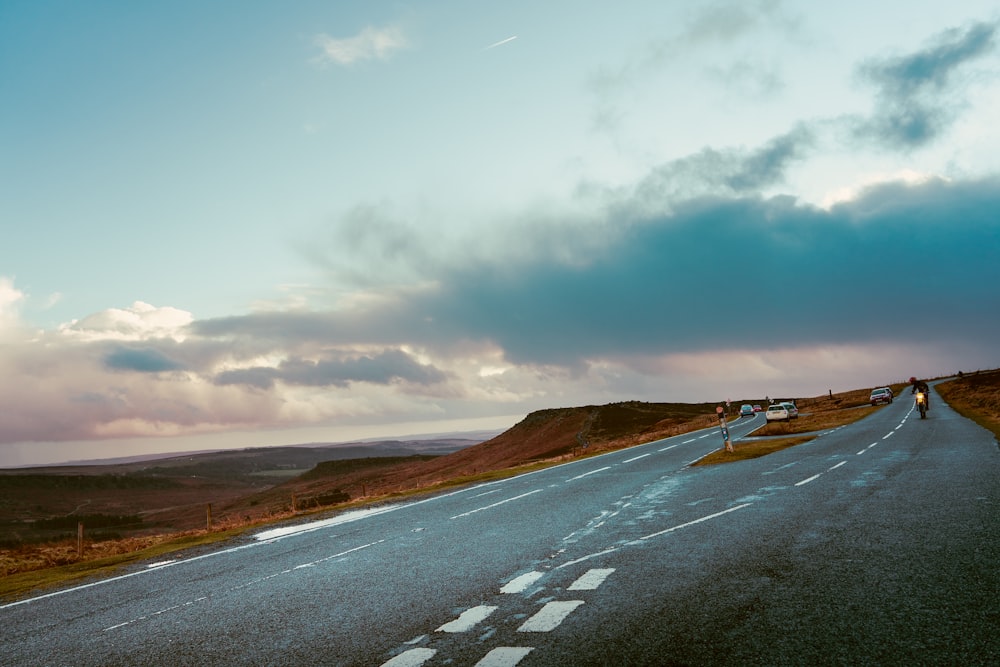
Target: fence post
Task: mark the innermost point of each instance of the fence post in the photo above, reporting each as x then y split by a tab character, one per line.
294	509
208	516
79	539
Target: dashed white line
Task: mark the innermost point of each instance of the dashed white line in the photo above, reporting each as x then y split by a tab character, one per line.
550	616
504	656
886	436
836	466
591	579
672	446
521	584
480	509
636	458
572	479
691	440
468	619
412	658
691	523
807	480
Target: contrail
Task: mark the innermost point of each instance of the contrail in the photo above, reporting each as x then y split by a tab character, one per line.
501	42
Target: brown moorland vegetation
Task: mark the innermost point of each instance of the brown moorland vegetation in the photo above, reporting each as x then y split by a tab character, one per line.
543	438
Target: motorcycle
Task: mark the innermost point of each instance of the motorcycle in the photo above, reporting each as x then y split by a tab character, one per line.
921	401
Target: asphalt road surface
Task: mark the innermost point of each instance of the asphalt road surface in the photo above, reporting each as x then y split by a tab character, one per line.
876	543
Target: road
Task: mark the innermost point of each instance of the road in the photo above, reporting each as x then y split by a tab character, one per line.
875	543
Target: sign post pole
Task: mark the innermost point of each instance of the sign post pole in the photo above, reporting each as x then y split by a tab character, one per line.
725	428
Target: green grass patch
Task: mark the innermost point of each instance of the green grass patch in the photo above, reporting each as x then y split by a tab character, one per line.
752	449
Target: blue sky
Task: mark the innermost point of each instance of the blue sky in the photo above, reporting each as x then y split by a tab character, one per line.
235	224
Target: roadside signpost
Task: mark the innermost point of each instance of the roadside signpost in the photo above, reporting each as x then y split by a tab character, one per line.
725	427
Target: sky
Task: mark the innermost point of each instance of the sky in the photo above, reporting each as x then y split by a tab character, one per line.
238	224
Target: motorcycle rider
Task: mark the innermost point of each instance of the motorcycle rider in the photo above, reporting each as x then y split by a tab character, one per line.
920	385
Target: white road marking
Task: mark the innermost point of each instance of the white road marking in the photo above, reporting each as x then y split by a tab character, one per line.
687	441
587	557
836	466
520	584
704	436
412	658
671	446
807	480
572	479
591	579
504	656
636	458
886	436
691	523
523	495
550	616
468	619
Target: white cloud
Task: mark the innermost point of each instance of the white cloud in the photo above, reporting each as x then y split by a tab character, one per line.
370	44
140	321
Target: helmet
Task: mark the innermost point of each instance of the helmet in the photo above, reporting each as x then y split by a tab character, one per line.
913	379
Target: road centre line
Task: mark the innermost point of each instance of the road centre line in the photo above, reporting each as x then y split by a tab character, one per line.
550	616
888	434
591	579
504	656
521	583
468	619
412	658
573	479
502	502
836	466
808	479
691	523
636	458
687	441
672	446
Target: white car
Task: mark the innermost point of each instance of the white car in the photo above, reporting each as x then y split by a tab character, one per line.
793	412
777	412
883	395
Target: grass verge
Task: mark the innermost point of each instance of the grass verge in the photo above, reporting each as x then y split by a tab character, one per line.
752	449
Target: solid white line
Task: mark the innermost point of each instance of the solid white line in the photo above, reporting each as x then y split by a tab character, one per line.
520	584
468	619
523	495
691	523
641	456
572	479
550	616
504	656
591	579
807	480
587	557
412	658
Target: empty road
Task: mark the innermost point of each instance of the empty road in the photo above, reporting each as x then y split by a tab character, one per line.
876	543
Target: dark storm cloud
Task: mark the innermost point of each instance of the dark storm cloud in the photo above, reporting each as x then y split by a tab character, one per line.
140	359
913	263
915	101
385	368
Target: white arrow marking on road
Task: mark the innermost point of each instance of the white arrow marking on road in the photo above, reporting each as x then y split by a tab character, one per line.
591	580
520	584
412	658
468	619
550	616
504	656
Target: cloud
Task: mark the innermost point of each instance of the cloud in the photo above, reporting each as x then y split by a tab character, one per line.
370	44
140	359
916	95
137	322
385	367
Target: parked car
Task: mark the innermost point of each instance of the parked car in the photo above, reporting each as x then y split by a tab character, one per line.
746	410
882	395
757	408
777	412
793	412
